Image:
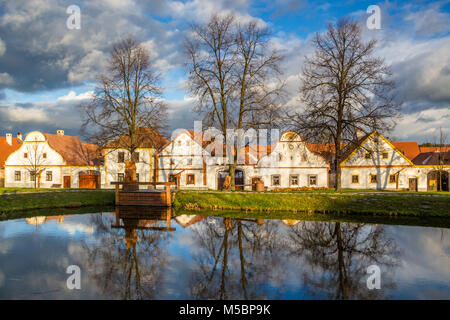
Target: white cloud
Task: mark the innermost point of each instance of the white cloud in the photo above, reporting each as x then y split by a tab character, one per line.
423	125
21	114
73	228
72	96
429	22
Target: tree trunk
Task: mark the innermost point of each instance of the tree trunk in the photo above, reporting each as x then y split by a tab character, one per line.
338	164
232	169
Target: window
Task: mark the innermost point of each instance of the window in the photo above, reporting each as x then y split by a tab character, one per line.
385	155
49	176
355	178
137	176
294	180
189	161
25	155
276	180
44	155
121	157
120	177
32	176
373	178
17	176
367	155
190	179
172	178
136	157
392	178
312	180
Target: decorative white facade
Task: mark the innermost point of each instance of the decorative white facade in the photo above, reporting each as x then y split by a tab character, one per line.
378	164
182	160
290	164
195	162
38	163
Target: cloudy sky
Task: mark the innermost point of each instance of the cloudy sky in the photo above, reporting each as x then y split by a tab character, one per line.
46	68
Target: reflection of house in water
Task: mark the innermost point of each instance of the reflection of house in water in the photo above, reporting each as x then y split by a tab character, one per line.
132	218
290	222
186	220
41	219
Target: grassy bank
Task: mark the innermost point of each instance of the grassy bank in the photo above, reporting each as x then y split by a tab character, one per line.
381	204
56	199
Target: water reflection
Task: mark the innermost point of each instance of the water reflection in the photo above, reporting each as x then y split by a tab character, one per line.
136	253
237	259
338	255
130	264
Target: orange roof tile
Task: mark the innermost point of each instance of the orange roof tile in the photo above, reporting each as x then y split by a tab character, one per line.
6	149
409	149
74	151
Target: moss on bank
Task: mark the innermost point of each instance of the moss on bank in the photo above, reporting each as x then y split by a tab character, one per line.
381	204
56	199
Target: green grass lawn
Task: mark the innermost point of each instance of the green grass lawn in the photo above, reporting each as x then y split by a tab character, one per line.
33	190
17	200
331	190
376	203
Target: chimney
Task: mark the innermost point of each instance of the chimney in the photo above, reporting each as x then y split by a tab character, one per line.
19	136
60	132
9	138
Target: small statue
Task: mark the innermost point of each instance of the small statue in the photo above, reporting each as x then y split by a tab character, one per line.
227	183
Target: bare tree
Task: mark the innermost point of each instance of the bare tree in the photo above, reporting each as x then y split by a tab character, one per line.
234	75
127	99
35	161
345	90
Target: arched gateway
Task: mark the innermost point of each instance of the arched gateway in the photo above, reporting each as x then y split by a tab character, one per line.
238	178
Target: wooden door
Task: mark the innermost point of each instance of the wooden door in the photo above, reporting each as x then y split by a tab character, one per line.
412	184
239	179
66	181
88	182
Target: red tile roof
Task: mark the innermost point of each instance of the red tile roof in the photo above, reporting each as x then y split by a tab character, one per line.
74	151
6	149
409	149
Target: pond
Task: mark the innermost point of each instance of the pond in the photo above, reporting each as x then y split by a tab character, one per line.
137	254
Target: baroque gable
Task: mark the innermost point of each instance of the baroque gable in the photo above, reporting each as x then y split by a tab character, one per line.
376	150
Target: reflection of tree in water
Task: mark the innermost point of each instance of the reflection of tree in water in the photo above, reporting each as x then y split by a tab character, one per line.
338	255
127	263
237	259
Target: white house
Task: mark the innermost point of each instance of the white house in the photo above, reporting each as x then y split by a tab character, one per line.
53	160
376	163
193	164
115	156
181	160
